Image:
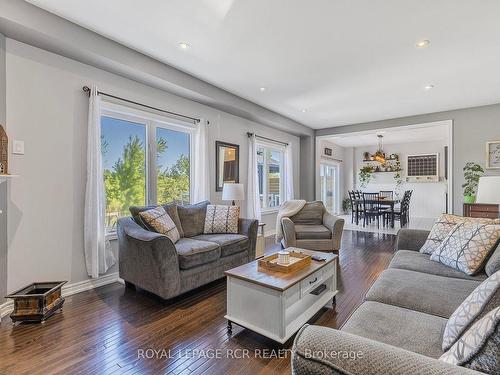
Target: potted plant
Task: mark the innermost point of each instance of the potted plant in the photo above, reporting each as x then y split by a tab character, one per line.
365	175
472	172
346	205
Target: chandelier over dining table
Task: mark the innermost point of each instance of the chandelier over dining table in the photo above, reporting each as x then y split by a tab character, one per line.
379	155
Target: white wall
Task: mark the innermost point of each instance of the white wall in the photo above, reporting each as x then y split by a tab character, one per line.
428	199
47	109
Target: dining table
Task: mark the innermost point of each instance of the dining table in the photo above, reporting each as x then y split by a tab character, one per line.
385	202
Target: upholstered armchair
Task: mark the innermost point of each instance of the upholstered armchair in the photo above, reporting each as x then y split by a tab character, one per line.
313	228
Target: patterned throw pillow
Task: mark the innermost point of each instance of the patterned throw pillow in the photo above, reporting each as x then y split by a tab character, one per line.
467	246
481	301
443	226
158	219
221	219
478	347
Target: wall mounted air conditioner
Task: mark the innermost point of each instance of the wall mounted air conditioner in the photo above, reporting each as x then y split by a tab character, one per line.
422	168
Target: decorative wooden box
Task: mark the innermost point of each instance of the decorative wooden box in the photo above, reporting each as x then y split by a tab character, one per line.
297	262
36	302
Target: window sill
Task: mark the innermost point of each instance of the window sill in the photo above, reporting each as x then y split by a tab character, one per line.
268	211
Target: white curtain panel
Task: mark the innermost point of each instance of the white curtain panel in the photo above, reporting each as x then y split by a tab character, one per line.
253	198
201	181
98	254
289	194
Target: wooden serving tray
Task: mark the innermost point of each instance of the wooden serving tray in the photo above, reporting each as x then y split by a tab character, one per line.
297	262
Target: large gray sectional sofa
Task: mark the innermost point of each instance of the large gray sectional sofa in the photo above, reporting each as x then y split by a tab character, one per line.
151	261
398	329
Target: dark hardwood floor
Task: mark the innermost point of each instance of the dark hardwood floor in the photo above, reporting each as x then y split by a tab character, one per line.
110	329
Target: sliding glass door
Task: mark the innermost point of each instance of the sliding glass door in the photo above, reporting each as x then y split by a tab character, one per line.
329	186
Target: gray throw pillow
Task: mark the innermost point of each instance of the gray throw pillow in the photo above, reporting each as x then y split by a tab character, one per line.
481	301
478	348
192	218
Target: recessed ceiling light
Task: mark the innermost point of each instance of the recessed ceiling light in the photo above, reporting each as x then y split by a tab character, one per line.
429	87
303	110
263	89
184	45
423	43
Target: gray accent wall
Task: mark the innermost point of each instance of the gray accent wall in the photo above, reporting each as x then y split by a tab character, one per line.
472	128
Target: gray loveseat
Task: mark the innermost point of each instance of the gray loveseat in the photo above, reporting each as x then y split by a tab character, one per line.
399	327
154	263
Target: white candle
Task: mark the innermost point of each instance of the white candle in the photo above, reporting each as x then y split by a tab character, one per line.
283	257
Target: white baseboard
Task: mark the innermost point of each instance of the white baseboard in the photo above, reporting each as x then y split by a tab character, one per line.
6	308
70	289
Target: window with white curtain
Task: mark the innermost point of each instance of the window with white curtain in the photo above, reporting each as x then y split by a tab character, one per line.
146	161
271	168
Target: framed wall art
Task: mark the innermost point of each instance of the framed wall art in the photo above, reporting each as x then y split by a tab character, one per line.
493	155
227	161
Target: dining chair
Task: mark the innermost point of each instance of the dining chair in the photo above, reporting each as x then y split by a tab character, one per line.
372	209
388	194
352	199
403	212
356	206
359	199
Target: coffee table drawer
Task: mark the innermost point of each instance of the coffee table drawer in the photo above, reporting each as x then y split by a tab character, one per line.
310	282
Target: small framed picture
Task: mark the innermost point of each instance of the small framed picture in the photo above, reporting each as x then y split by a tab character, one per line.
328	151
493	155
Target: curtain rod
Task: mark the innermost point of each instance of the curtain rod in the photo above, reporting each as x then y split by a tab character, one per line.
194	119
267	139
330	158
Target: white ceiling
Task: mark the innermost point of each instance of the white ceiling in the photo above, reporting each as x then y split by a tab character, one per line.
343	61
436	131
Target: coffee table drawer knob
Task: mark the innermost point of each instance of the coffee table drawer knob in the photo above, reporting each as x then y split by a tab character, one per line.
313	281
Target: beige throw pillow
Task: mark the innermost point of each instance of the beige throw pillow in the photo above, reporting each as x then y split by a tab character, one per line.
158	219
443	226
467	246
221	219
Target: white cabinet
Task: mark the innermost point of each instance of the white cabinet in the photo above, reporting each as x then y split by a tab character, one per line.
279	314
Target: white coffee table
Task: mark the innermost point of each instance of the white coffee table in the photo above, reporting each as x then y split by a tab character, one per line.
276	304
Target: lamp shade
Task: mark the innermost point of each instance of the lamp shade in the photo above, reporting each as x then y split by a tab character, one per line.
233	192
488	190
